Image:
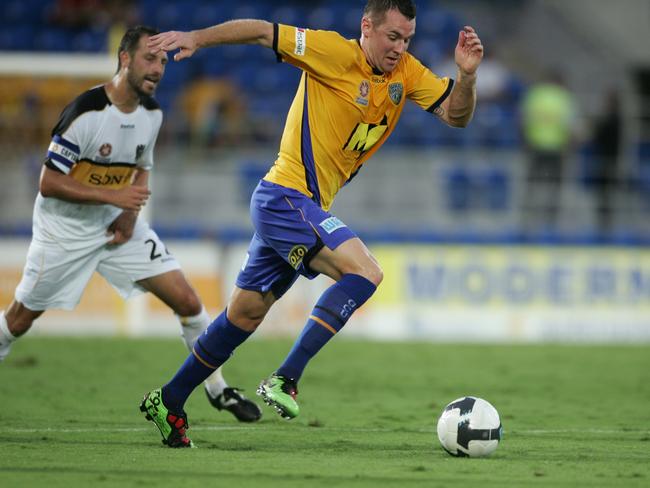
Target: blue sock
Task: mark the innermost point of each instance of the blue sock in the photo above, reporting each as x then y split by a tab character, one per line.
211	350
330	314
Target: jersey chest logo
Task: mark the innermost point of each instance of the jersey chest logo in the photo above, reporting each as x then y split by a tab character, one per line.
364	136
114	176
105	150
395	92
364	91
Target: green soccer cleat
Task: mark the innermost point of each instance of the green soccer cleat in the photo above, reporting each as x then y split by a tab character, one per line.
172	426
280	393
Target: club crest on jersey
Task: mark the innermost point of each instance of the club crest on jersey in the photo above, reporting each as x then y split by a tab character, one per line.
139	151
105	150
364	91
395	92
331	224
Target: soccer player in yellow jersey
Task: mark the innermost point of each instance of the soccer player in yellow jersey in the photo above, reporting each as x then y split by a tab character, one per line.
349	99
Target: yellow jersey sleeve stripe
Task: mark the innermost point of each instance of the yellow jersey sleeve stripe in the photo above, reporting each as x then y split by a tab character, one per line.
323	323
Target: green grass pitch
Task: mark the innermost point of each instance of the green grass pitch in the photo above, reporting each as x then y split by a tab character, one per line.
573	416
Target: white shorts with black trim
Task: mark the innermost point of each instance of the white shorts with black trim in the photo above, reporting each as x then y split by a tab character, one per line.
56	278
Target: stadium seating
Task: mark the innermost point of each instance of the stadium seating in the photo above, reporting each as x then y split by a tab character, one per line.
29	26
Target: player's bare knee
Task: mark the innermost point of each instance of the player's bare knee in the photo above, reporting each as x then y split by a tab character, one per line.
247	318
376	276
20	321
370	271
189	305
373	273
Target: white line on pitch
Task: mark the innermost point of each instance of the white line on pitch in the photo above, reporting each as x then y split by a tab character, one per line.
316	429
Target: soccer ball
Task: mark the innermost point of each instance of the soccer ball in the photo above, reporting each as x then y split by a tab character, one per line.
469	427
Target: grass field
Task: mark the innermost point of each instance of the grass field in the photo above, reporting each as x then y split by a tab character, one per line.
572	415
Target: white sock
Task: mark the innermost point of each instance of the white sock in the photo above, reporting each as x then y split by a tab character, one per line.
191	329
6	337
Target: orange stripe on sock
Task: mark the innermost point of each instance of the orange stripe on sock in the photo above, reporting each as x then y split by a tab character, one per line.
323	323
203	361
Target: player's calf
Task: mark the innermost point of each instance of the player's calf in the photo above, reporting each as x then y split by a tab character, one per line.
6	337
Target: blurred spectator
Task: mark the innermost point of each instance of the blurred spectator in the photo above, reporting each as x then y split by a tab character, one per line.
122	14
548	121
605	164
214	112
78	14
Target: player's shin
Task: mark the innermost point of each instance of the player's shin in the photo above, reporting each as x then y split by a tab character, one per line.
210	351
331	313
6	337
191	330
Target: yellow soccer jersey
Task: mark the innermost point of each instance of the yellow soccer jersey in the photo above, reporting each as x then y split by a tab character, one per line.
343	110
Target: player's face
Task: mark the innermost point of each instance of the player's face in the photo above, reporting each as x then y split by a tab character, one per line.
146	69
389	40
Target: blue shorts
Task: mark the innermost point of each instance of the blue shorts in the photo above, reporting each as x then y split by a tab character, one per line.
290	229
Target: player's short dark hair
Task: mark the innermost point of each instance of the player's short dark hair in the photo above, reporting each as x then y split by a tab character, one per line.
131	38
376	9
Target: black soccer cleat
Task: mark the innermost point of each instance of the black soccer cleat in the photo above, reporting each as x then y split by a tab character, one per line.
233	401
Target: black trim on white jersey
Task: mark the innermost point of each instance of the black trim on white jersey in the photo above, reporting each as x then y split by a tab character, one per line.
94	99
48	162
149	103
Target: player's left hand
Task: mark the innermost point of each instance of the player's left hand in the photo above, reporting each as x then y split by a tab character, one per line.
122	227
469	51
172	40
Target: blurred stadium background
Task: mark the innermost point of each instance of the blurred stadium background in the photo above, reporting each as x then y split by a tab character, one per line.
468	252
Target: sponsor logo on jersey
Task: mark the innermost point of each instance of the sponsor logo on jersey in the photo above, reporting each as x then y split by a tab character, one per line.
364	136
331	224
296	255
364	91
301	42
395	92
127	126
378	79
114	177
105	150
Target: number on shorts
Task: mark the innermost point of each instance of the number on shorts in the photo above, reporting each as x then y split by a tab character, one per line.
154	254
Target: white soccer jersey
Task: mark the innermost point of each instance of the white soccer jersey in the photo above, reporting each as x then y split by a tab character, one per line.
97	145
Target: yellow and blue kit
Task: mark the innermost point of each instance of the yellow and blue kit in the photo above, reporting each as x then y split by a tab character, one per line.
343	111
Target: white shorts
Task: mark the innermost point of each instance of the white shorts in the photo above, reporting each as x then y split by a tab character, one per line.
56	278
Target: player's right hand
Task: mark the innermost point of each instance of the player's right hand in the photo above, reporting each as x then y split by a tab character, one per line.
130	197
172	40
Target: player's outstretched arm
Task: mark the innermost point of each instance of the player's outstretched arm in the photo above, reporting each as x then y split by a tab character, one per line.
458	109
244	31
58	185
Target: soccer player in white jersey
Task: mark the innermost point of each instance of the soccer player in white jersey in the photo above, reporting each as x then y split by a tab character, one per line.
93	184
